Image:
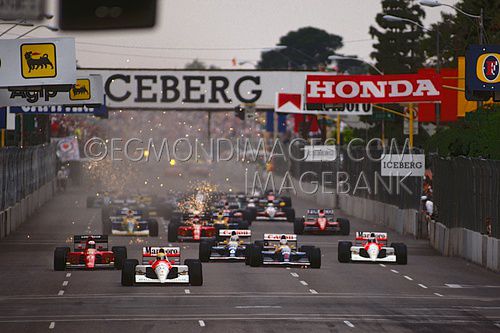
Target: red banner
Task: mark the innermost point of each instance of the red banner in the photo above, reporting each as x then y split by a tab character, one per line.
404	88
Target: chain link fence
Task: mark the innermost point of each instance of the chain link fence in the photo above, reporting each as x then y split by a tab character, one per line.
466	193
22	171
364	176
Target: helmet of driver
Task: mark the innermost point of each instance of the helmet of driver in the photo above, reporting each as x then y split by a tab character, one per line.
161	255
283	240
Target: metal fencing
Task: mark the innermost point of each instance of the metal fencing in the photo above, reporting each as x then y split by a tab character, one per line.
466	193
364	176
22	171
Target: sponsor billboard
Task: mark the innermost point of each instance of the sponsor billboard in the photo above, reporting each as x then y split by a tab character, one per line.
294	103
482	72
37	62
83	91
412	165
407	88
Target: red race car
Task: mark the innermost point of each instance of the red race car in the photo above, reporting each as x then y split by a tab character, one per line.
193	229
321	221
90	252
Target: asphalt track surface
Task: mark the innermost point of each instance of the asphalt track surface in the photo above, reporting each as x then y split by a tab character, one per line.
430	294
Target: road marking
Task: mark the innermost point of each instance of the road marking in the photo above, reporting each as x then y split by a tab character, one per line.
422	286
65	283
348	323
438	294
258	307
187	291
312	291
497	325
60	293
408	278
52	325
288	268
452	285
394	271
382	265
202	323
68	275
294	274
304	283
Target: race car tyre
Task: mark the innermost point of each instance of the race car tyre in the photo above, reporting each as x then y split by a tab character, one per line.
60	254
256	258
172	232
195	272
298	226
153	228
90	202
401	253
217	235
345	226
306	248
344	253
128	272
290	214
105	212
243	225
120	253
259	243
176	217
287	201
106	227
315	257
250	214
204	250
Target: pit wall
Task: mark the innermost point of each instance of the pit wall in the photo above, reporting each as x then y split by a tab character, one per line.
12	217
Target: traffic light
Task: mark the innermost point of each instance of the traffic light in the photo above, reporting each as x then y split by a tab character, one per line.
239	112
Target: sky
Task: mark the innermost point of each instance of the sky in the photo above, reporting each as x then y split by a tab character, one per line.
216	31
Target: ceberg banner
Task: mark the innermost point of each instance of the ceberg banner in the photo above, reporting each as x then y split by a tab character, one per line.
407	88
84	91
37	62
193	89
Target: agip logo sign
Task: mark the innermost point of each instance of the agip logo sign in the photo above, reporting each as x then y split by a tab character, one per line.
487	67
38	60
80	91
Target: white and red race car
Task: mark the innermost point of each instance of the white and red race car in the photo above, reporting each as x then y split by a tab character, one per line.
372	247
321	221
162	265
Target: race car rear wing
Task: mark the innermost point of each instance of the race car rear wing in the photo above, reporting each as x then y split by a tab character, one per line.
173	254
365	235
274	238
327	212
79	242
239	232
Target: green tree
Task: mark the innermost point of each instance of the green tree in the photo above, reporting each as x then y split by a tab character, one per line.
398	49
457	30
197	64
305	48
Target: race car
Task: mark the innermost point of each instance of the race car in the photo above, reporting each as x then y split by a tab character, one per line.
232	248
271	212
321	221
282	250
90	252
227	219
372	247
194	228
128	222
161	265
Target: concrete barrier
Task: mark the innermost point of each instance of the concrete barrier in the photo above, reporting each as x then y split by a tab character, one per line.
13	216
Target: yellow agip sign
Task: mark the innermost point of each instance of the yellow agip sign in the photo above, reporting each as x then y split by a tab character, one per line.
38	60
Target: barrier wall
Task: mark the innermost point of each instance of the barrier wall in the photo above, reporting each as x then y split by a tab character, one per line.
14	216
471	245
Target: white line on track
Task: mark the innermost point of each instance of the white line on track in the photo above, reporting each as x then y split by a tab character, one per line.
68	275
452	285
438	294
60	293
187	291
65	283
348	323
202	323
408	278
304	283
312	291
497	325
52	325
258	307
381	265
294	274
422	286
394	271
